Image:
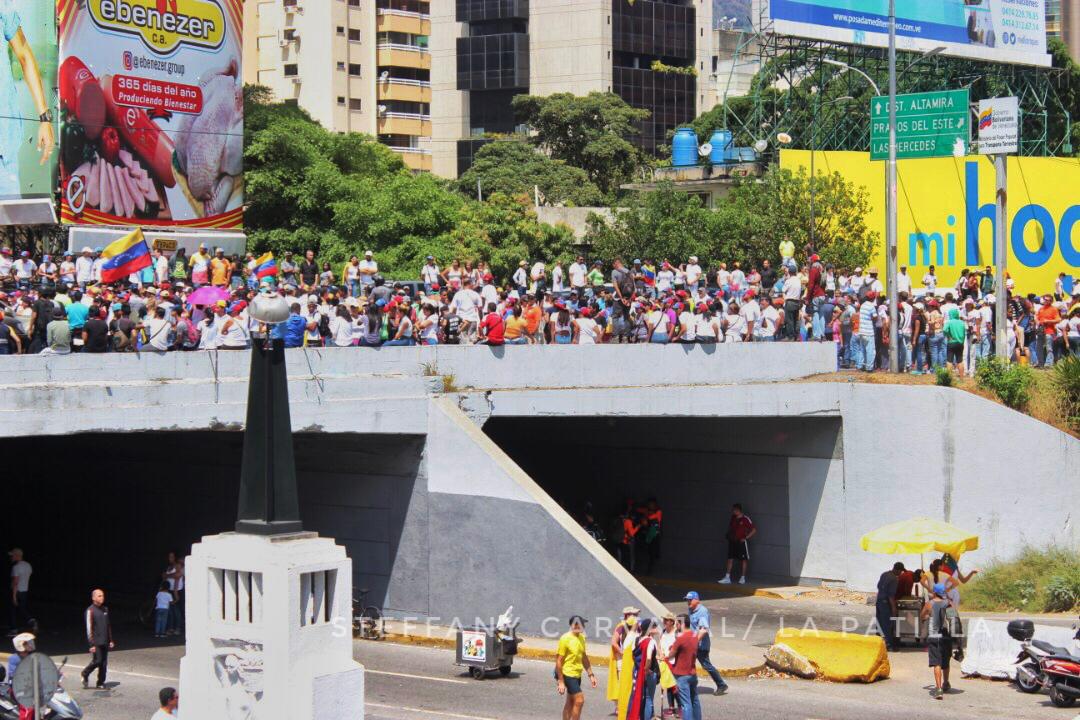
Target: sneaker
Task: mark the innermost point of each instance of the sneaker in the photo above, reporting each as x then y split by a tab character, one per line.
85	682
725	581
720	690
937	694
946	687
742	581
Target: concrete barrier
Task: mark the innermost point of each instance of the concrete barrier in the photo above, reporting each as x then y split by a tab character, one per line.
840	657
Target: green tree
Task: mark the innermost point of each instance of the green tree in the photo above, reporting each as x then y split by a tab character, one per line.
589	132
514	167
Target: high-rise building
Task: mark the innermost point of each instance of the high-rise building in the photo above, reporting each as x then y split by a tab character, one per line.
1063	21
355	65
655	54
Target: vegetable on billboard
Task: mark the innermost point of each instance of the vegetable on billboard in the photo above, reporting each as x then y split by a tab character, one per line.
1012	31
151	100
27	79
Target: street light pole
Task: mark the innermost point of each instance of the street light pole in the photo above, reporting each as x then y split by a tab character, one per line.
890	201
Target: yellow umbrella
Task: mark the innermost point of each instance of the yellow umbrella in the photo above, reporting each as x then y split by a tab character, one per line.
918	536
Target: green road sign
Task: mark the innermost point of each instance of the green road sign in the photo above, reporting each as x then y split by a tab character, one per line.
927	125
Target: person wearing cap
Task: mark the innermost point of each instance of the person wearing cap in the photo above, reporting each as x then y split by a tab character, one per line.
20	591
24	270
1048	316
692	274
668	634
699	624
621	646
865	346
220	269
571	662
48	272
938	644
368	270
520	277
199	264
24	644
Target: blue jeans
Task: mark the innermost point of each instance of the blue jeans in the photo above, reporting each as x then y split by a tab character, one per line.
920	353
867	350
689	703
905	352
660	338
703	648
883	611
650	691
937	351
354	288
161	620
399	342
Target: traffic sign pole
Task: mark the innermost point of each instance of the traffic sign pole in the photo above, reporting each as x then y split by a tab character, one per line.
890	199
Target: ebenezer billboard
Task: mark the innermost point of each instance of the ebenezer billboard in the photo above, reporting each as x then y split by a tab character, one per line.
1012	31
152	106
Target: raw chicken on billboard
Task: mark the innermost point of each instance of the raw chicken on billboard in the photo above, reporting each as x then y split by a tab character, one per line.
151	102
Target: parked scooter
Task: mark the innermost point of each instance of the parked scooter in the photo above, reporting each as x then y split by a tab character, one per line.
61	705
1041	665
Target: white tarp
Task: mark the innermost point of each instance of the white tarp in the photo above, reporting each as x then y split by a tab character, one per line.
991	653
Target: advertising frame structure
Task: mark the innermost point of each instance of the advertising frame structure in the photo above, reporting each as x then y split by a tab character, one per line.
28	135
1009	31
151	110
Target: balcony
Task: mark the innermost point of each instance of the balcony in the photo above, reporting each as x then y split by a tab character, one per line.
407	90
493	62
402	21
394	123
415	158
410	56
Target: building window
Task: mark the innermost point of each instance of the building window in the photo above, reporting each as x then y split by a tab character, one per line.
341	66
354	35
291	70
340	29
355	104
354	3
340	100
354	69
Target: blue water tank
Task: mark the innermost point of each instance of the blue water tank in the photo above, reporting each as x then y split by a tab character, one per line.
684	148
721	147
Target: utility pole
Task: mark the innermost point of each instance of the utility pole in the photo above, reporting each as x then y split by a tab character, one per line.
890	200
1001	335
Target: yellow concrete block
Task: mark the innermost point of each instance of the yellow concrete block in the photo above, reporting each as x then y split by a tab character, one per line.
840	657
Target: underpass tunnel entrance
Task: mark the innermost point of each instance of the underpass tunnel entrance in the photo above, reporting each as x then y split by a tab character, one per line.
103	510
777	468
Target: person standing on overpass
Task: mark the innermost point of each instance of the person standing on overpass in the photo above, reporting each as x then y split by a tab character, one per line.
740	529
99	639
699	624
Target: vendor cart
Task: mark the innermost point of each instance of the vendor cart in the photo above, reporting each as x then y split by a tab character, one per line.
483	649
909	626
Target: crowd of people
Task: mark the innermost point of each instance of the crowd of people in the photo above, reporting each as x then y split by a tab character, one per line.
199	302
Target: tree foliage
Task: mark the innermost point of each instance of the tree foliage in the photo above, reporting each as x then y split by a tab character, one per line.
747	226
589	132
514	167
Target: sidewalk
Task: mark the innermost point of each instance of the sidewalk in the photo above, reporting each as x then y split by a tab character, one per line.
732	659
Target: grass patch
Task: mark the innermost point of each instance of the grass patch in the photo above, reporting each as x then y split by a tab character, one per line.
1035	581
449	384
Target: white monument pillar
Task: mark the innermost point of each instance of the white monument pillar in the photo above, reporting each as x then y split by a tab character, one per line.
269	606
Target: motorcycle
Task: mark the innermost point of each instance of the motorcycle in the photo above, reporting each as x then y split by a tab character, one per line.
1042	666
61	706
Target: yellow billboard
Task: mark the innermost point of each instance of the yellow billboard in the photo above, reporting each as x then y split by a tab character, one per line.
945	213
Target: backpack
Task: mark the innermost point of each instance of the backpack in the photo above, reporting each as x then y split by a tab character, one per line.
864	290
951	625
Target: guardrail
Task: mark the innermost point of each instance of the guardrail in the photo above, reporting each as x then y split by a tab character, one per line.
403	81
403	13
407	116
410	150
400	46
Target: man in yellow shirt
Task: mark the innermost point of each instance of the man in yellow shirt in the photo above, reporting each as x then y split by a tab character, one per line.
220	269
787	254
200	267
571	661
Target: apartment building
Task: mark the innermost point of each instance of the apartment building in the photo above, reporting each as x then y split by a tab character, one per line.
1063	21
655	54
355	65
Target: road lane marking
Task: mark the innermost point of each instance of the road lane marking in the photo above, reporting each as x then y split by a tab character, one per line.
429	712
416	677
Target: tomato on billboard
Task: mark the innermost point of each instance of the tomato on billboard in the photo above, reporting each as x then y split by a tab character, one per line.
151	101
27	79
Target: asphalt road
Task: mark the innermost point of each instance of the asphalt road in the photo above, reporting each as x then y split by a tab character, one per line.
415	683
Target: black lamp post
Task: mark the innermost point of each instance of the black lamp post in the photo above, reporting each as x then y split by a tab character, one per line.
269	504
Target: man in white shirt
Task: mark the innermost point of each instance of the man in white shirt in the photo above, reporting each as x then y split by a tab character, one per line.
751	313
24	269
20	591
929	281
5	264
466	306
723	278
874	283
687	327
557	278
903	282
792	302
84	268
856	281
538	278
169	699
520	278
161	267
577	274
768	321
67	269
368	270
98	263
693	274
429	274
313	316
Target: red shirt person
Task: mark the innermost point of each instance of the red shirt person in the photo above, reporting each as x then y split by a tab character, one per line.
683	655
740	530
492	327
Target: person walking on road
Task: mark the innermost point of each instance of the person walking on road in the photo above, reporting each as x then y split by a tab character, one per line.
682	655
99	638
699	623
886	604
169	699
571	661
740	529
622	639
20	592
939	645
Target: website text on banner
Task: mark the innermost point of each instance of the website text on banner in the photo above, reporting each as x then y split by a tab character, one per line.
152	104
945	213
1012	31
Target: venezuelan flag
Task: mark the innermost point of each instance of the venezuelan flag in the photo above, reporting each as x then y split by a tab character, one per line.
124	256
266	266
648	273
